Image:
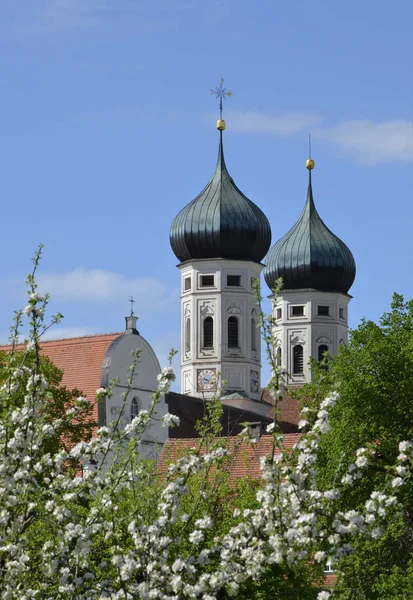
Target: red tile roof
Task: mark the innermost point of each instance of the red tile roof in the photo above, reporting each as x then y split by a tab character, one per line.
245	458
80	359
289	411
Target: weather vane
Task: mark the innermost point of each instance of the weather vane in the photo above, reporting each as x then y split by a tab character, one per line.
309	145
221	93
132	301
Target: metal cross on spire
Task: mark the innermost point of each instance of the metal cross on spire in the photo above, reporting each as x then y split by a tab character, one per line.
221	93
132	302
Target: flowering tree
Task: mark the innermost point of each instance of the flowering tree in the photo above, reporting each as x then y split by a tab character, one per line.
73	527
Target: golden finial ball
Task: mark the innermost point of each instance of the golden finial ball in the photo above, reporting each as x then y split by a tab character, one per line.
221	124
309	164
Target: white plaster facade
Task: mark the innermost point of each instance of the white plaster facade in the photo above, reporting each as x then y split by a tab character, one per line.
226	294
116	364
316	321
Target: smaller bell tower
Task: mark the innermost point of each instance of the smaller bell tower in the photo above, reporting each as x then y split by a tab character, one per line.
311	312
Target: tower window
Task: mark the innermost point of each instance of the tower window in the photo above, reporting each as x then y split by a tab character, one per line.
253	335
341	313
278	313
188	335
297	311
322	349
298	360
207	280
323	310
208	341
134	407
187	283
234	280
279	357
233	332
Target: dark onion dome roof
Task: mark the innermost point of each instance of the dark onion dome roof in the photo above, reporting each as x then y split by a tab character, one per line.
310	255
221	222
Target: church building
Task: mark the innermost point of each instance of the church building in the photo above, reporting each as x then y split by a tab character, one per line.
221	239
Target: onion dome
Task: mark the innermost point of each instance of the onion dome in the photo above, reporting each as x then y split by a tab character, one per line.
310	255
221	222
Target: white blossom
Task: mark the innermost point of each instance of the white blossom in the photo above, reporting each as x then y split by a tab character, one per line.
196	537
361	461
169	420
320	556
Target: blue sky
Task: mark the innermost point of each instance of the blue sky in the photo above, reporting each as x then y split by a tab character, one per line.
108	130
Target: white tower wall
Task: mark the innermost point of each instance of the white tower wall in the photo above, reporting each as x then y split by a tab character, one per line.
220	289
314	320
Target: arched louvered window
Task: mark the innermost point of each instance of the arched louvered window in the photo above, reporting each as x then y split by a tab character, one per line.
321	350
188	335
298	360
134	407
279	356
321	358
233	332
208	341
253	335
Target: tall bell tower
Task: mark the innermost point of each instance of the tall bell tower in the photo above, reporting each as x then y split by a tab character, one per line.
220	239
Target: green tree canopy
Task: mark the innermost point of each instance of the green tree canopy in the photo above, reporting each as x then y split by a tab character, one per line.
374	376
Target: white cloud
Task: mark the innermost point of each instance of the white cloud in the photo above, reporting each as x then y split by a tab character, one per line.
98	285
371	142
287	124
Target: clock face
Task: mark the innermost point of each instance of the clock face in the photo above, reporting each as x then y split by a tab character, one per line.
254	381
206	379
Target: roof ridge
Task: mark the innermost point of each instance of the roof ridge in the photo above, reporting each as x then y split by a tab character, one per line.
76	337
266	436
